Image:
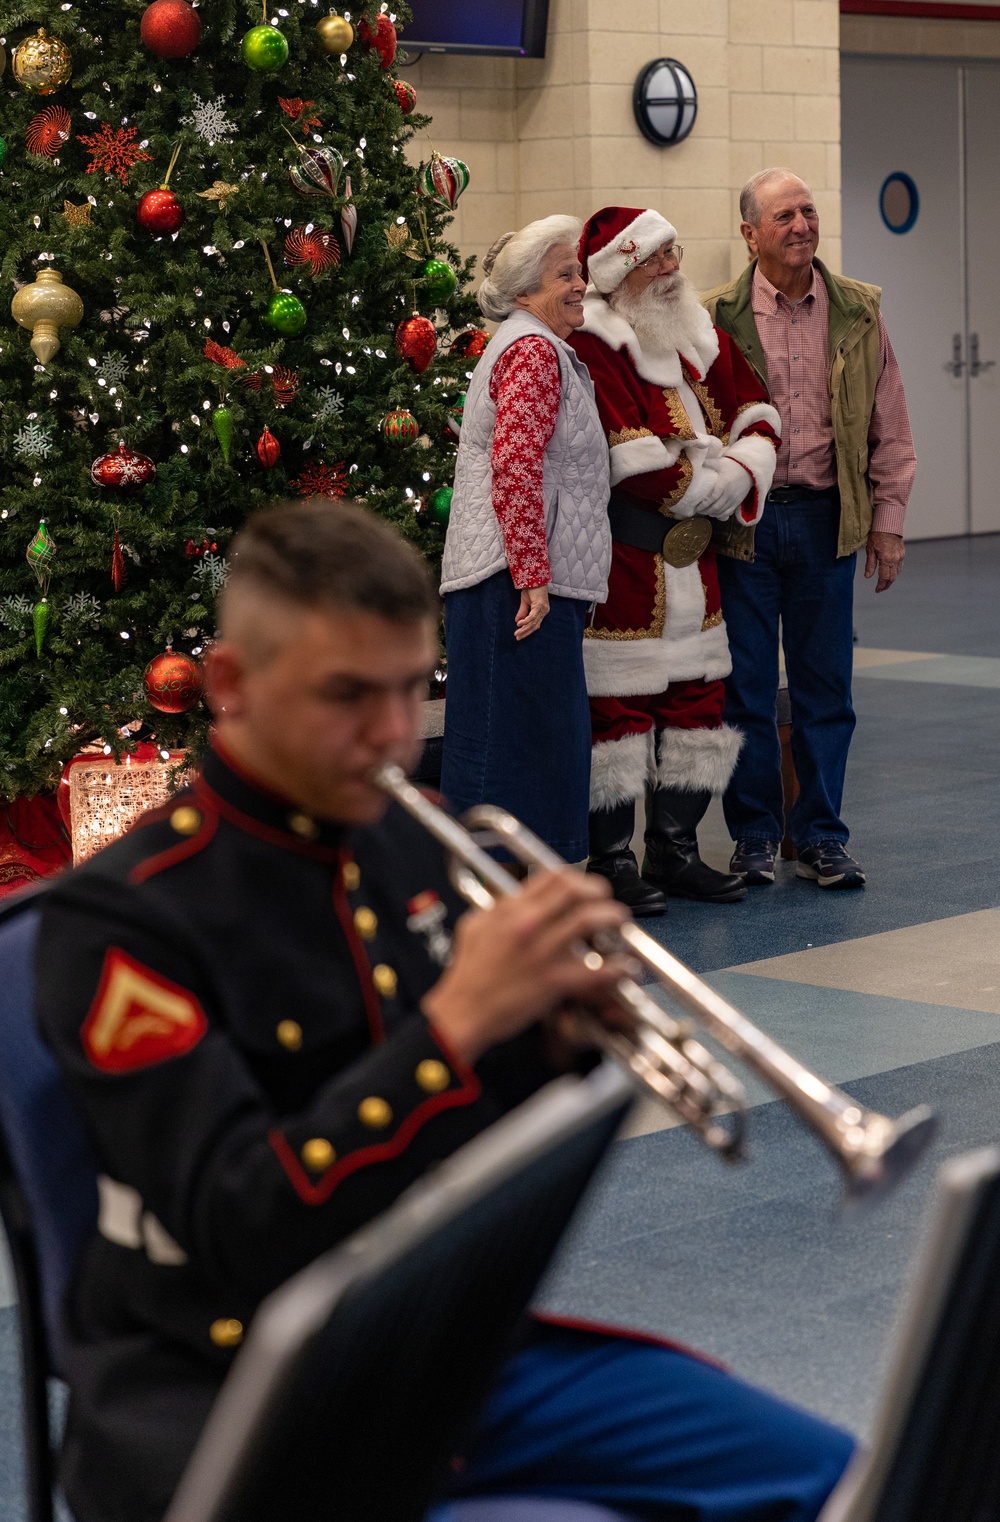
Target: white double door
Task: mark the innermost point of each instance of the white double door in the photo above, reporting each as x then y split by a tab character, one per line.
938	124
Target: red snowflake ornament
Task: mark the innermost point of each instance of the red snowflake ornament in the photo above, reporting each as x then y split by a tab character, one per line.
46	132
114	151
299	111
321	481
320	250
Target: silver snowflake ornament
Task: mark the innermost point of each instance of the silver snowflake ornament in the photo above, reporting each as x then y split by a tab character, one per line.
113	369
212	572
32	442
210	121
15	612
81	608
331	404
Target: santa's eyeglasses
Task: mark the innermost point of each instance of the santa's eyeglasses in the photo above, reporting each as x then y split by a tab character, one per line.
663	256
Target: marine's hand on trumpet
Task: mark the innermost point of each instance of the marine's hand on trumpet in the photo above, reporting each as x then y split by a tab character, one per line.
520	961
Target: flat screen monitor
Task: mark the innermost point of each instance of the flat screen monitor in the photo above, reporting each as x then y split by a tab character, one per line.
513	27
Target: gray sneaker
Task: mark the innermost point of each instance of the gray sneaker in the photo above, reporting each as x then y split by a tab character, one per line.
829	865
753	860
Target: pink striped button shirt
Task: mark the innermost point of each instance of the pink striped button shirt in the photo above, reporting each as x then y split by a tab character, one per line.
796	341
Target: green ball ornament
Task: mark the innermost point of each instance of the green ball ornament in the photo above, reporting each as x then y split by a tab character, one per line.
440	501
440	281
265	49
286	314
3	150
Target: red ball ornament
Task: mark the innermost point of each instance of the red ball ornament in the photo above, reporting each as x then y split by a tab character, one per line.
159	212
172	682
381	37
416	340
406	95
268	449
470	345
170	28
123	469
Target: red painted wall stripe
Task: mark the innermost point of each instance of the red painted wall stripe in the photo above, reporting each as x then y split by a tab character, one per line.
926	9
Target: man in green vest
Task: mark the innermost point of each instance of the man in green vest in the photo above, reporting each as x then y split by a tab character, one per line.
844	474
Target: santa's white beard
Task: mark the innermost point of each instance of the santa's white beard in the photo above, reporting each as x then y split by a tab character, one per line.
664	318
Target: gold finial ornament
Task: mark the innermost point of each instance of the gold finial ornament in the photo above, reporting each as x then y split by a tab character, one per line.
335	34
45	306
42	64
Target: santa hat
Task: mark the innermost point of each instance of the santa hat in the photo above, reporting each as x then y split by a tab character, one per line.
616	239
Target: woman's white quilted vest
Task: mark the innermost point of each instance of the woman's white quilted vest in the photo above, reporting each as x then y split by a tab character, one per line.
576	480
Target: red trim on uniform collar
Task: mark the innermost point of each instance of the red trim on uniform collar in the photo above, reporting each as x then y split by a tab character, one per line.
241	770
274	835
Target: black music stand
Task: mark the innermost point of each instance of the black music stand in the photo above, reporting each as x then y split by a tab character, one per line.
935	1455
361	1375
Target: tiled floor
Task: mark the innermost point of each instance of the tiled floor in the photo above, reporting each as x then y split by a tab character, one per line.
894	992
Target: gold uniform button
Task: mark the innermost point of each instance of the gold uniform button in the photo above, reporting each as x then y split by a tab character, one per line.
352	876
385	980
185	820
375	1113
289	1033
365	923
303	826
318	1155
432	1076
227	1332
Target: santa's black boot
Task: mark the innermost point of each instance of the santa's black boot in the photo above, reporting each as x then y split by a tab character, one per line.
611	857
672	863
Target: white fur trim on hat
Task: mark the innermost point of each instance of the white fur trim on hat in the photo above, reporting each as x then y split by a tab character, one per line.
620	769
697	760
609	265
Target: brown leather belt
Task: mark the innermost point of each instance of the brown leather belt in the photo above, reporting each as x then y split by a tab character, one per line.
684	542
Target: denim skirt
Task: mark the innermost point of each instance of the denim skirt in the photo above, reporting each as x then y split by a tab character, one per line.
517	721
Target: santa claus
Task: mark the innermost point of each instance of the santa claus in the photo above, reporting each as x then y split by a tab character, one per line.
692	437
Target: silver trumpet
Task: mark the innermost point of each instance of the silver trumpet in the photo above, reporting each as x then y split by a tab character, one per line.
873	1152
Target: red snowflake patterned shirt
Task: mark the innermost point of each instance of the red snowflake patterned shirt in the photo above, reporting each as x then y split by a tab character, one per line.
526	387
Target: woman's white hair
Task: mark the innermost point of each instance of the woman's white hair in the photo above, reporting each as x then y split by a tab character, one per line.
513	266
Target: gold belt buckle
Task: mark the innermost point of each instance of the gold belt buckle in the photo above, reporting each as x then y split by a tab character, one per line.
686	542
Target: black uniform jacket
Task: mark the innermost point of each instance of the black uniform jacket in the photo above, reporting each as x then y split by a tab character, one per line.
232	991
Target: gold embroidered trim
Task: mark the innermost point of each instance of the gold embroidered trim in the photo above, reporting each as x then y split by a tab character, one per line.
711	621
716	422
743	407
655	629
686	469
678	414
626	436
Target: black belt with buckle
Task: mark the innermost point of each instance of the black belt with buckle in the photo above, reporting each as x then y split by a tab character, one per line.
682	544
800	493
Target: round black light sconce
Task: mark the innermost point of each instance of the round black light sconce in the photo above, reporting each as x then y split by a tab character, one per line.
665	102
899	202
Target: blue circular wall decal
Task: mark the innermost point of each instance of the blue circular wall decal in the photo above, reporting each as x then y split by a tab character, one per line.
899	202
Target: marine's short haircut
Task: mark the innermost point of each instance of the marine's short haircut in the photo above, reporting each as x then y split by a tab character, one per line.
332	555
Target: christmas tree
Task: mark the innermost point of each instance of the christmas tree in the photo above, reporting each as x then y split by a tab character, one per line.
215	244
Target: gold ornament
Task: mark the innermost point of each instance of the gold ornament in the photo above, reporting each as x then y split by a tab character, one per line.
45	306
335	34
42	64
77	216
219	191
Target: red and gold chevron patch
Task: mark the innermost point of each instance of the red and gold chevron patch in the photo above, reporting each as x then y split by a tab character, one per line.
139	1018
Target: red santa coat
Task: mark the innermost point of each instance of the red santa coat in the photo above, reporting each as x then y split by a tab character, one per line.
667	419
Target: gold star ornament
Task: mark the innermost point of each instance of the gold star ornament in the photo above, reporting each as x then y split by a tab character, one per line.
220	192
77	216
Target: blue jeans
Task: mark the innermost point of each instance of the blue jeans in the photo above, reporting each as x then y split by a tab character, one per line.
648	1430
797	579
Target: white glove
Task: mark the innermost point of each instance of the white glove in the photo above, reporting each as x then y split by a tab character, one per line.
732	485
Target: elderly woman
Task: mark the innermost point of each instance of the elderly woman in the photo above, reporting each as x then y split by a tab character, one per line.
528	547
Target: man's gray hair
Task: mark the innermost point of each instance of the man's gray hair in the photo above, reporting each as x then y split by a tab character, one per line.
513	266
750	208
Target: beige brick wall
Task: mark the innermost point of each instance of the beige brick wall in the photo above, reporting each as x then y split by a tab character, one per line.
909	36
557	134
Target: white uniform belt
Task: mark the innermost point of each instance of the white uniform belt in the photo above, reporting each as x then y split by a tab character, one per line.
122	1219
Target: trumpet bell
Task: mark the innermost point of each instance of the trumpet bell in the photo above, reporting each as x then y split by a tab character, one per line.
884	1161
